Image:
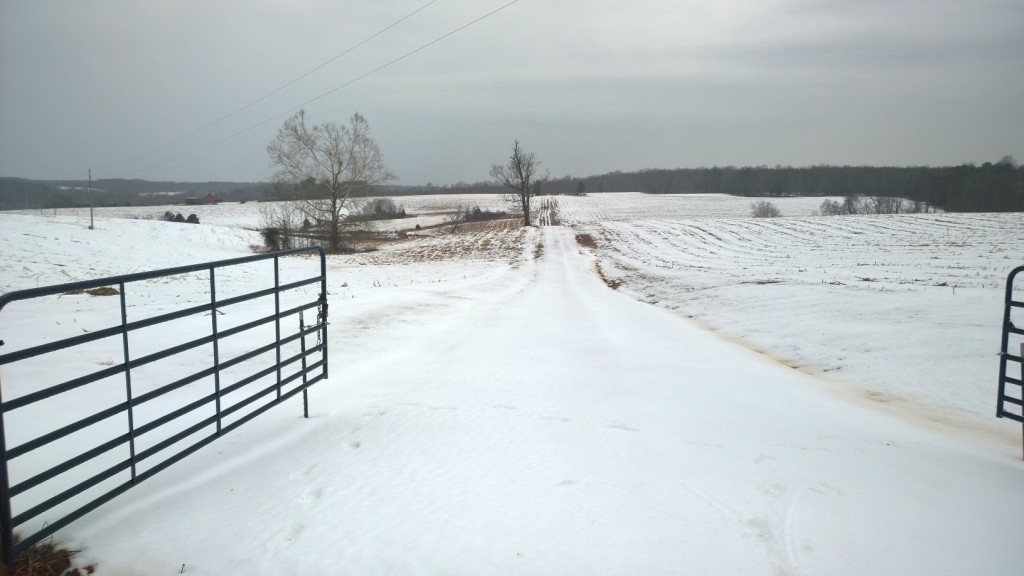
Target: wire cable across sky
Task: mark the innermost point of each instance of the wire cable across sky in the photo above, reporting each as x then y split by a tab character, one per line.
289	83
329	92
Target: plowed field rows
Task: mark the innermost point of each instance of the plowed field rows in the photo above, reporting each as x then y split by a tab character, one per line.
861	298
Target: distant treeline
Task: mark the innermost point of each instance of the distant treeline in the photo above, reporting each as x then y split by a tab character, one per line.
990	187
997	187
21	194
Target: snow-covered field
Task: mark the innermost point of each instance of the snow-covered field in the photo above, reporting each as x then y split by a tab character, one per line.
629	206
906	309
422	210
494	408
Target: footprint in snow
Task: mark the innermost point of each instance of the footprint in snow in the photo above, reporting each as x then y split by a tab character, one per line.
556	418
311	495
620	426
303	473
286	539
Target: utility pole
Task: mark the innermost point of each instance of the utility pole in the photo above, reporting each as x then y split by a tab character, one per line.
92	224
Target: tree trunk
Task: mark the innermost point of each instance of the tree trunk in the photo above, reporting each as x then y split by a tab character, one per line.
526	207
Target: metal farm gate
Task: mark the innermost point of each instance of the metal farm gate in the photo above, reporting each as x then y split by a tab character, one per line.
1010	402
149	405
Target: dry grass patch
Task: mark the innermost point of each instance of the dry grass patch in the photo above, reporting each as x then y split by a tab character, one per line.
586	240
101	291
614	284
496	240
471	226
553	215
46	559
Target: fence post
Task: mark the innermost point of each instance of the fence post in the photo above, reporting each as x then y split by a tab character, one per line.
277	321
216	347
5	497
321	315
128	380
305	379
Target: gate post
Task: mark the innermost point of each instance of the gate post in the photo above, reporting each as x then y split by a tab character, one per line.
216	345
128	382
305	379
277	321
7	536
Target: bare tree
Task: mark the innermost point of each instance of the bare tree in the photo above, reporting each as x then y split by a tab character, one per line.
328	165
455	218
764	209
884	205
851	204
517	175
279	224
832	208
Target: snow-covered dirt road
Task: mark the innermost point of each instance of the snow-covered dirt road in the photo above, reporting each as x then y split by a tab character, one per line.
533	421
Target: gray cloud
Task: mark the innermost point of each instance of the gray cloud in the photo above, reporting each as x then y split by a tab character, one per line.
591	86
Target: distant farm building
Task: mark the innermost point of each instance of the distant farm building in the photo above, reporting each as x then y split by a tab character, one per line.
208	199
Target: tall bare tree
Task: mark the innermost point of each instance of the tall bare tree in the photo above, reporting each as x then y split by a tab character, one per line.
517	175
328	165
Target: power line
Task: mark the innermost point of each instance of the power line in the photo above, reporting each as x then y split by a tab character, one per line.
286	85
333	90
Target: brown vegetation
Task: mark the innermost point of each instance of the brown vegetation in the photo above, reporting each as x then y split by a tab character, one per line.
586	240
101	291
45	559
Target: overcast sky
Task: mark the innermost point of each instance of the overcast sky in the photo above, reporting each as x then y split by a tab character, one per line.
121	86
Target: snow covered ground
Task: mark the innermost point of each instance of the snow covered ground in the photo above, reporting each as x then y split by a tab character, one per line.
629	206
494	408
422	210
904	309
